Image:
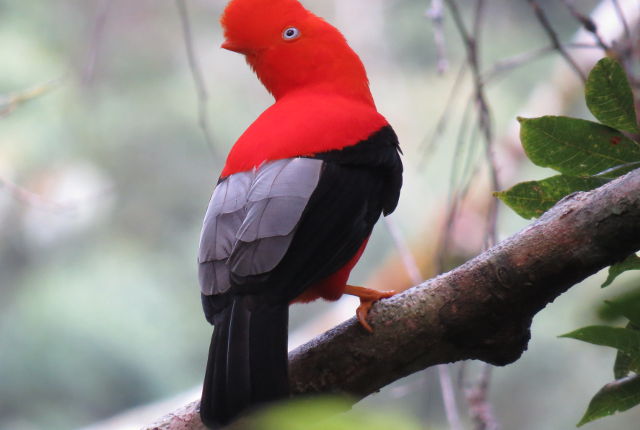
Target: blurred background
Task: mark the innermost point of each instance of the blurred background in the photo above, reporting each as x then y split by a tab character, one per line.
105	174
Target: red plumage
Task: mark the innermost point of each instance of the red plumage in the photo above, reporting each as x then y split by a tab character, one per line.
300	124
332	287
318	59
296	201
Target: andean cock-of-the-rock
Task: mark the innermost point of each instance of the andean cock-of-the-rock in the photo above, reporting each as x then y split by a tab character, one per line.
295	203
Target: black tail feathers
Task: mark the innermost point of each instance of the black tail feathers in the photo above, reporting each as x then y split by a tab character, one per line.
247	365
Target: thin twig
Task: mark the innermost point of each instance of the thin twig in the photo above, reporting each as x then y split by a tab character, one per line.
479	405
586	22
9	102
459	188
97	35
546	25
29	198
469	166
510	63
581	46
196	73
623	20
617	169
477	19
435	14
484	119
454	196
411	266
448	396
441	125
471	43
408	260
518	60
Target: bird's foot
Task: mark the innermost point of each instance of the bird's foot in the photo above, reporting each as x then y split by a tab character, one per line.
367	298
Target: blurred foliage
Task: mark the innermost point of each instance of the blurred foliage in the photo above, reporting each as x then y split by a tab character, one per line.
630	296
624	392
610	98
617	396
587	155
533	198
632	262
105	177
324	413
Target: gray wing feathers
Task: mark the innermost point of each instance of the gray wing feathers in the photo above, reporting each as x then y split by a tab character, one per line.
251	220
275	216
292	177
259	256
224	216
213	276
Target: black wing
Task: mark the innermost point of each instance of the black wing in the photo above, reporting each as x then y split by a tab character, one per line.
269	235
357	184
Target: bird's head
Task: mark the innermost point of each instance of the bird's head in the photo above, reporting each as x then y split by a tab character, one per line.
292	49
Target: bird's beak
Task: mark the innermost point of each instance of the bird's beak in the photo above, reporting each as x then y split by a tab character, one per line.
230	46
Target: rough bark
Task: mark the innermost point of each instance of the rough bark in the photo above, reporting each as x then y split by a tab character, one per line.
480	310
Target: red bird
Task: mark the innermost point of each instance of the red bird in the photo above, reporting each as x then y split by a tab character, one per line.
295	203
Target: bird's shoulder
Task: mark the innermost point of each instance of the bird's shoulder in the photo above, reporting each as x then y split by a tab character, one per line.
304	124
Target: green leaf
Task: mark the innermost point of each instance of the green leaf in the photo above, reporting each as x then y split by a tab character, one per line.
531	199
628	309
614	397
609	96
632	262
324	413
609	314
624	339
576	147
623	365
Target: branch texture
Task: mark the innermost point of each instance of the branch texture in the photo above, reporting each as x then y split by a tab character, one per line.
480	310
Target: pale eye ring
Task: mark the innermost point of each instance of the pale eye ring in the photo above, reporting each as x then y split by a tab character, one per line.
290	33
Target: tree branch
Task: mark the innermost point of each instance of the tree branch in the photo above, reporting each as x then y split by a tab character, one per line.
480	310
555	41
196	74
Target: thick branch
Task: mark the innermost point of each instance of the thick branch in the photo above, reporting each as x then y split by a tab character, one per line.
481	310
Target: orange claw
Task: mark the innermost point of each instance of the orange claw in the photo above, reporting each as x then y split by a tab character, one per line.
367	298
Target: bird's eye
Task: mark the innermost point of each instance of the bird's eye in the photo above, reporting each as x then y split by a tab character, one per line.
290	33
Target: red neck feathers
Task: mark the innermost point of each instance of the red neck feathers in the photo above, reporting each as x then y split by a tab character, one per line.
302	124
320	85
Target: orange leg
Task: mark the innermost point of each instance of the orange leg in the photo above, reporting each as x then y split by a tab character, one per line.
367	298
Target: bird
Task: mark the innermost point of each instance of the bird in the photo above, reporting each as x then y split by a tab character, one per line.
295	202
